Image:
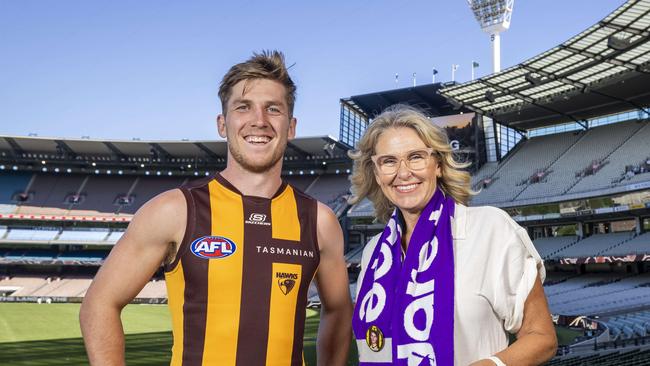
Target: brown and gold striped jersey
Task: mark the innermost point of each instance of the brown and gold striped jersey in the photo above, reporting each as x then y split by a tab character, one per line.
238	286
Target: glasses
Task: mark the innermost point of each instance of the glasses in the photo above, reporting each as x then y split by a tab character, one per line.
415	160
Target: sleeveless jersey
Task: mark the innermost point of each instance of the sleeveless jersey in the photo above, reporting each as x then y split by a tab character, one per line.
238	286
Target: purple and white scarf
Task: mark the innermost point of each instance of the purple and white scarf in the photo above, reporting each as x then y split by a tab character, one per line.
404	313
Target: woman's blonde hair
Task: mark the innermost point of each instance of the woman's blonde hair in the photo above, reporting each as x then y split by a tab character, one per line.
454	181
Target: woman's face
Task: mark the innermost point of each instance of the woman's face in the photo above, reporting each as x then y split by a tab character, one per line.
408	190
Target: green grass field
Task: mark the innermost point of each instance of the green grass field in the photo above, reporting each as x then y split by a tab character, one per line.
48	334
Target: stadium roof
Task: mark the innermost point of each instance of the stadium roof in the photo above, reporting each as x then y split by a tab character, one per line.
15	146
603	70
425	97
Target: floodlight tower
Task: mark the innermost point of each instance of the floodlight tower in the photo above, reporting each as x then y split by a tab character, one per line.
494	18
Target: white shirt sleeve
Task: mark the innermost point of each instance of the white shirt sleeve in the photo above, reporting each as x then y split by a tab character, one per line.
514	269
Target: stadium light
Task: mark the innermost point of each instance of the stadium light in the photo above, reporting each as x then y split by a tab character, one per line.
494	17
618	44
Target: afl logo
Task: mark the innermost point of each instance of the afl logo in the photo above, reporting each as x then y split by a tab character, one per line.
213	247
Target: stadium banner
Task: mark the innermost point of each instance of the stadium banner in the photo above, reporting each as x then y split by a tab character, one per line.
53	262
463	135
608	259
66	299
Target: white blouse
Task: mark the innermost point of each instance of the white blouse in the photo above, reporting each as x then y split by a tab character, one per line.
495	266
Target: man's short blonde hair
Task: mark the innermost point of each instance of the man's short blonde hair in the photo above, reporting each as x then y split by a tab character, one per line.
265	65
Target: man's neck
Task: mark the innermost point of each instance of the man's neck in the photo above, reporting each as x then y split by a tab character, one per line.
264	184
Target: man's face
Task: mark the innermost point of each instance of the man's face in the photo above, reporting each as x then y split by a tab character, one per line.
257	124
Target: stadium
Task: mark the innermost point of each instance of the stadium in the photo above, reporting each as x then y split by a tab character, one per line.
560	141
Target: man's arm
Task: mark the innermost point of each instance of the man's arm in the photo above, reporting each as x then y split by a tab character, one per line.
156	228
536	340
335	329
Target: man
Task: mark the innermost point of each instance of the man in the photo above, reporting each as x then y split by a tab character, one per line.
239	249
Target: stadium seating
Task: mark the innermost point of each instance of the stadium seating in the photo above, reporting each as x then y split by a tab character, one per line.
24	285
101	192
3	232
39	255
94	235
578	282
593	245
328	188
563	171
636	149
639	320
52	190
637	245
153	289
353	257
547	247
561	158
301	182
12	183
18	234
619	358
535	154
598	294
114	236
85	256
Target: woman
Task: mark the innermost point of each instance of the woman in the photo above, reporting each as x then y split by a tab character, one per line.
443	283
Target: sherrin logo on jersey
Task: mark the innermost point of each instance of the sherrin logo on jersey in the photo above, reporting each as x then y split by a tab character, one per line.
213	247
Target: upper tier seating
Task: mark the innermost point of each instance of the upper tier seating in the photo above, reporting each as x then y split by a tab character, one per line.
12	183
535	154
561	159
636	149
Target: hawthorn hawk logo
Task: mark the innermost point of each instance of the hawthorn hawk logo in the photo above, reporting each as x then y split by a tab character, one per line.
286	281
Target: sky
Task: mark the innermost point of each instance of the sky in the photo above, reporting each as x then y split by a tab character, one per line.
151	69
